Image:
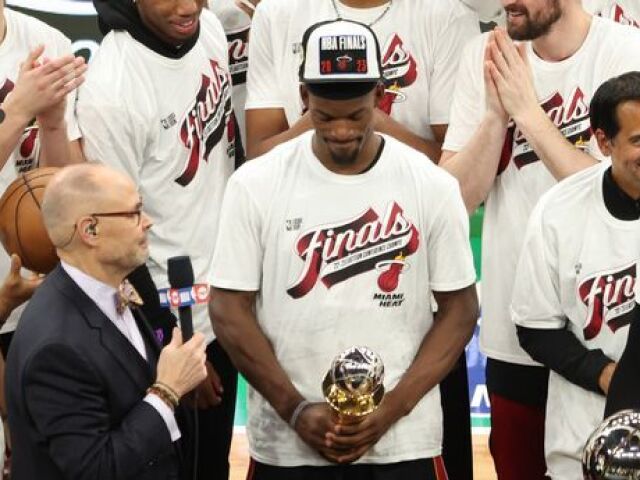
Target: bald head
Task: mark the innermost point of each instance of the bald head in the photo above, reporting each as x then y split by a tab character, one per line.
78	191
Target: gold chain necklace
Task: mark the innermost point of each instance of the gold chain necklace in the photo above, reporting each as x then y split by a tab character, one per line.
386	10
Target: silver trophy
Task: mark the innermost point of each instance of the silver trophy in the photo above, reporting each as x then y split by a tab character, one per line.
353	385
613	449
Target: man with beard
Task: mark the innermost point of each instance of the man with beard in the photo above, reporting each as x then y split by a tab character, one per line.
157	105
335	239
519	123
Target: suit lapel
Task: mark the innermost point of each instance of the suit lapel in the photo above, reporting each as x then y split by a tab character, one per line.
111	339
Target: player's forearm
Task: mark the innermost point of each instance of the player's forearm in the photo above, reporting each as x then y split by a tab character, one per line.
561	351
237	329
55	149
259	144
391	127
476	165
453	327
559	156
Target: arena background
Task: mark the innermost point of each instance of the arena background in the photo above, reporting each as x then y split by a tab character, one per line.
77	19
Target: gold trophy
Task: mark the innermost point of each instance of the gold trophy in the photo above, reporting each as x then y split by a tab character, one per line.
353	385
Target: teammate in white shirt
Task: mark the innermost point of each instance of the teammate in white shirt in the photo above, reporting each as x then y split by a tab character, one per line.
235	17
39	127
157	105
626	12
421	42
519	122
576	286
338	238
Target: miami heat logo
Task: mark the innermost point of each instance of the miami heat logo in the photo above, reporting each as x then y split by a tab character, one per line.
399	69
571	117
204	123
335	253
610	298
343	62
391	269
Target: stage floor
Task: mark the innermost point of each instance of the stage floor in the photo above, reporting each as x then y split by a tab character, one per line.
483	467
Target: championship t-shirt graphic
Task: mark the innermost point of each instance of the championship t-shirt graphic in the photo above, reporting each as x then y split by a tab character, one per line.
610	299
26	154
570	115
205	121
399	69
620	16
238	43
334	253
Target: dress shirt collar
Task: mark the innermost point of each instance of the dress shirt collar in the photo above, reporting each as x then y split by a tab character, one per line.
103	295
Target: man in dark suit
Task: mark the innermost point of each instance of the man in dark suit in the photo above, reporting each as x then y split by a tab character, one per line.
90	394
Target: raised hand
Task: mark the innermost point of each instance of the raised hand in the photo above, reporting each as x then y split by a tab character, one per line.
511	74
16	289
181	366
42	86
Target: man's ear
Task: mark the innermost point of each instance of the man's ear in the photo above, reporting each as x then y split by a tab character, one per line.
603	142
88	230
304	95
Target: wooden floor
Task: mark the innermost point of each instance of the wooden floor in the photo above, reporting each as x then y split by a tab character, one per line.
483	467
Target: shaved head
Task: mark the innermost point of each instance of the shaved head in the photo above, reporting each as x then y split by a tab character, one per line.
78	191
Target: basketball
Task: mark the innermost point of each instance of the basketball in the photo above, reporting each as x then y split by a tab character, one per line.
21	226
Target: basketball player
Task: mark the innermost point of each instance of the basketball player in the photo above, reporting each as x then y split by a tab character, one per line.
333	239
575	289
421	43
520	122
157	105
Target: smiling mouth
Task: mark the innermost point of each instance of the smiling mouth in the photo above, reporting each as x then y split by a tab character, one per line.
514	14
186	26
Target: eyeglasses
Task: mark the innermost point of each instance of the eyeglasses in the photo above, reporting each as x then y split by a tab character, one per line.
137	213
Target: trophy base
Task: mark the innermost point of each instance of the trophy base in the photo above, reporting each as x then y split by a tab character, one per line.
351	407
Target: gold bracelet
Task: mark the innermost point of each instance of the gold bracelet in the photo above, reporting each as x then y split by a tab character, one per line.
162	395
169	391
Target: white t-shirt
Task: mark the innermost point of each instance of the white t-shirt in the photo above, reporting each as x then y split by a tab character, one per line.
578	270
487	10
626	12
342	260
23	34
166	123
236	24
564	89
420	43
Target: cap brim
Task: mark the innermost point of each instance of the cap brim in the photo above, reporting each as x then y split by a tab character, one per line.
341	90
